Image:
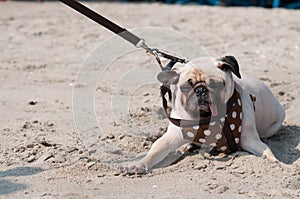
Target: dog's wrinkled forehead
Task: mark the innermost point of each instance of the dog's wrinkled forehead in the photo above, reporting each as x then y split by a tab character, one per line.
200	69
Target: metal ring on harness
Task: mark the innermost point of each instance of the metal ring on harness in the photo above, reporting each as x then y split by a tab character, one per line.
157	53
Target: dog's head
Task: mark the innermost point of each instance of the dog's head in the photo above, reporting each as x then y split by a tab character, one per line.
202	86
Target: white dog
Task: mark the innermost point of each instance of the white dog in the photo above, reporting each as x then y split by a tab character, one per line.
213	90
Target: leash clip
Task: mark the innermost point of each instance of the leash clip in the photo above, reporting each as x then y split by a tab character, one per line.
157	53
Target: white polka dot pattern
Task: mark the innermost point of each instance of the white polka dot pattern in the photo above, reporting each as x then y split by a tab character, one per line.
213	144
212	134
218	136
240	129
207	132
233	114
196	127
190	134
223	148
202	140
239	102
232	127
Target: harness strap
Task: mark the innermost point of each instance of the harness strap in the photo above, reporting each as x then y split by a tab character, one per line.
231	101
229	137
226	129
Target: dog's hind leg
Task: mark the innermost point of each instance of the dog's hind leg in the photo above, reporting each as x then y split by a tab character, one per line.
275	126
250	138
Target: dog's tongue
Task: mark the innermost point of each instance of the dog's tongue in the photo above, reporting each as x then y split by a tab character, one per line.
213	109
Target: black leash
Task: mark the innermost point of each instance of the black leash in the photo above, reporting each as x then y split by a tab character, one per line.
125	34
140	43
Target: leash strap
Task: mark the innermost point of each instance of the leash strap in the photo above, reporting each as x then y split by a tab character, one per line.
125	34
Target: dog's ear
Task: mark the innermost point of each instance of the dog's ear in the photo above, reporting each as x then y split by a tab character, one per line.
168	77
231	64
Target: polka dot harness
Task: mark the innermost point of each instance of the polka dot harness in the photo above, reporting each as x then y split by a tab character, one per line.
222	134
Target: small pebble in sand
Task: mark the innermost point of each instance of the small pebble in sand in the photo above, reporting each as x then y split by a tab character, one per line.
90	164
101	175
59	159
111	136
31	159
222	189
32	103
121	136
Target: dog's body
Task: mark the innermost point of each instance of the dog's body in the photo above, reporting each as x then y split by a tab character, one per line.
213	83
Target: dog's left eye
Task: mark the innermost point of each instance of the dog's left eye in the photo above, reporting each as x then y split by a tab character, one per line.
216	84
185	88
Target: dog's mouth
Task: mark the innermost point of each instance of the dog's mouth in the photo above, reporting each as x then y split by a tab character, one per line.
208	109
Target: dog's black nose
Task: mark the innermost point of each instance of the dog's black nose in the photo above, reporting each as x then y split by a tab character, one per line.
201	91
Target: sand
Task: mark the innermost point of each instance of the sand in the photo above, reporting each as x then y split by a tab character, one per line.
53	146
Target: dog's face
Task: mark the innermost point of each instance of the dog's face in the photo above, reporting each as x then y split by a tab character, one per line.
203	86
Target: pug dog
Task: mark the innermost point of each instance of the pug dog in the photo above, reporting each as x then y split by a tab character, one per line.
200	90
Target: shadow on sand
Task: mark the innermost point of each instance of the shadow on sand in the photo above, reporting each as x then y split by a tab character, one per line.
284	144
8	186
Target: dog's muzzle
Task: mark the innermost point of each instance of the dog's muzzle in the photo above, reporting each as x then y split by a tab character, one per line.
202	94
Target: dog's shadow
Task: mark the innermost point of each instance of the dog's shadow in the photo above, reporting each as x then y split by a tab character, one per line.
285	144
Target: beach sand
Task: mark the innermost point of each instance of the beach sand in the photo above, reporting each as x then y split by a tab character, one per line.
50	145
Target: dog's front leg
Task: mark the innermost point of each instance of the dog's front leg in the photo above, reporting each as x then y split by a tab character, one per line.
160	149
251	142
250	139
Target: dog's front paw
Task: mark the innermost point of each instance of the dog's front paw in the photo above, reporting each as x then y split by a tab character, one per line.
134	168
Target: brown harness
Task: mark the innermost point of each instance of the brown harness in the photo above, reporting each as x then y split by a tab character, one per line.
222	134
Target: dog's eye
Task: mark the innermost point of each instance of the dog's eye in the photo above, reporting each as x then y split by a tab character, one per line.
190	82
216	84
185	88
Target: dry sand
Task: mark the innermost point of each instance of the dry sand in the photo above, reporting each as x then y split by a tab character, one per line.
43	46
